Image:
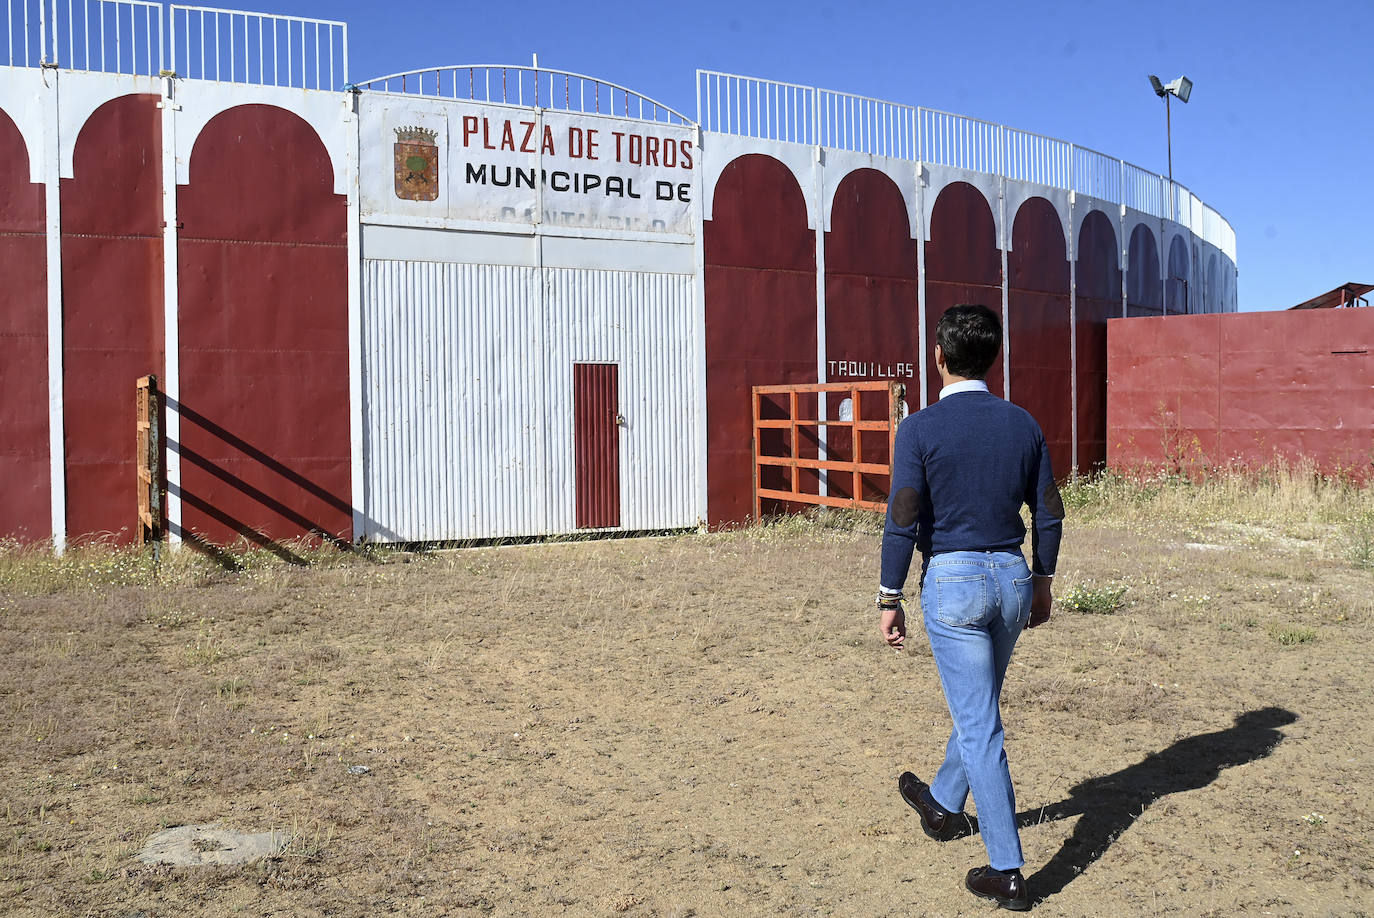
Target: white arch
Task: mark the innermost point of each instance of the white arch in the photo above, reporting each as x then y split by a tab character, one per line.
1018	193
840	164
720	150
327	113
1132	221
1084	205
938	178
82	95
22	93
1129	221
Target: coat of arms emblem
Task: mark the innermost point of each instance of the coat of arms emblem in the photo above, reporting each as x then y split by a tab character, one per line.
417	164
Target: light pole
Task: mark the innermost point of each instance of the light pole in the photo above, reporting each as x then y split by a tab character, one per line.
1183	88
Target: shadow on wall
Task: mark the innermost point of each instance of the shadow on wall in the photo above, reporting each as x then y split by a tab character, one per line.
254	498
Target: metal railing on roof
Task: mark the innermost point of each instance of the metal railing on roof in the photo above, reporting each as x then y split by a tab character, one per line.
232	46
106	36
791	113
527	87
144	37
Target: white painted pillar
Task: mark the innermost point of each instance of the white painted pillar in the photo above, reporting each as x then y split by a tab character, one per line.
821	375
358	486
1073	328
52	187
1124	257
1004	244
699	428
171	376
920	287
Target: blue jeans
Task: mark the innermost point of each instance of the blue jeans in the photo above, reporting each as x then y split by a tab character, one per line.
974	605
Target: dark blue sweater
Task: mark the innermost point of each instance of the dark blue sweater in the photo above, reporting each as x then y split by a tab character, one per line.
963	468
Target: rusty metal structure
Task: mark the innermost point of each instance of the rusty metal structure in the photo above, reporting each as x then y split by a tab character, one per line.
1349	294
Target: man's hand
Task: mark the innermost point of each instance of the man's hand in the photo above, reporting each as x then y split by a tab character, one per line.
1041	600
892	622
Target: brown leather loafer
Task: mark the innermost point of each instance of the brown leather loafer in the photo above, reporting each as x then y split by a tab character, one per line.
1006	888
936	821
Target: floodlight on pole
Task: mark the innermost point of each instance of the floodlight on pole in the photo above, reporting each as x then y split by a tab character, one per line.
1182	88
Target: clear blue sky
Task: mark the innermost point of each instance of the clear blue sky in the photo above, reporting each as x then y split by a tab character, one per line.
1278	136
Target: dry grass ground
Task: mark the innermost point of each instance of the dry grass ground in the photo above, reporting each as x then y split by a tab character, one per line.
697	725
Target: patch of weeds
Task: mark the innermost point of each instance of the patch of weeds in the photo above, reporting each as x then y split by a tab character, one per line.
306	846
1094	600
146	796
205	652
1092	492
231	692
1359	541
818	521
1292	635
1196	603
1315	820
173	618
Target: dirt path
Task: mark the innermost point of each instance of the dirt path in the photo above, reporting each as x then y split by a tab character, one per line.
700	725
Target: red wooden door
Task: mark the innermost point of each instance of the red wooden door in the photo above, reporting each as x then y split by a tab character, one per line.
596	439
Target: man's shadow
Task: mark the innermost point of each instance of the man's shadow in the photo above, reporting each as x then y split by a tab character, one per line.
1110	804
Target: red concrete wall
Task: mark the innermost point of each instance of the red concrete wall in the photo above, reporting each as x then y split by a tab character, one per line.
1038	326
872	308
112	318
963	265
1189	392
1098	283
760	274
263	268
25	493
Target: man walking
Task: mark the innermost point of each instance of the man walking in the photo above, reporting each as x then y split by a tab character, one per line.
961	470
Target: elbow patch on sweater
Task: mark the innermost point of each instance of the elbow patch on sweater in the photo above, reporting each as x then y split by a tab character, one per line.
904	506
1052	500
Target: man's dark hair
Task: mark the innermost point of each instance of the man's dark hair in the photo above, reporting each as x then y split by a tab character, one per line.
971	337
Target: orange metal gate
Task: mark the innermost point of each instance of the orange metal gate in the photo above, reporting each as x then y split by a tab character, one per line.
793	400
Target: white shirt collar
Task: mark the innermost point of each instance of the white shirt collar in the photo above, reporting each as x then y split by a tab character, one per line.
968	385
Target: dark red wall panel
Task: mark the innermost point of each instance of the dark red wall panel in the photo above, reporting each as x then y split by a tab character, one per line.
1176	286
963	265
1098	288
1144	289
264	334
112	320
1038	326
25	494
1193	392
872	307
1162	391
760	315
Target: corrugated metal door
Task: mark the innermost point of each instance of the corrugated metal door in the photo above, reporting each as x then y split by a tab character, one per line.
596	444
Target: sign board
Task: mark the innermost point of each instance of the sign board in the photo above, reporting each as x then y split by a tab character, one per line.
435	162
